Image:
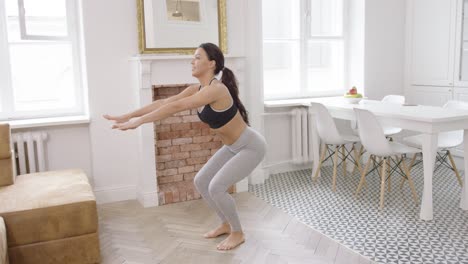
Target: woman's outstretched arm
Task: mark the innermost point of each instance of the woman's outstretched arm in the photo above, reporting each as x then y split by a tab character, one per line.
206	96
152	106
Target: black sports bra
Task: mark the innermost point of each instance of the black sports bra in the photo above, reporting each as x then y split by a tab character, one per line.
215	118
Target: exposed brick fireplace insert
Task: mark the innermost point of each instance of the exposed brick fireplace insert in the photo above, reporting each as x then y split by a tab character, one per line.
183	144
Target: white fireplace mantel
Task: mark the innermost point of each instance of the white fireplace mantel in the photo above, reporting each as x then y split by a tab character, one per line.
174	69
149	70
155	57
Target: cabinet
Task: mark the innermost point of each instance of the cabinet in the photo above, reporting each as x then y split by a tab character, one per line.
461	46
431	25
460	94
429	95
436	95
436	59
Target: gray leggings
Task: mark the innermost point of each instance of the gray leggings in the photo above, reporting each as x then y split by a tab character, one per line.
230	164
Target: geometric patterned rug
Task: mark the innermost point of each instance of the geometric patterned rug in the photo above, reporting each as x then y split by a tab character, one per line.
394	234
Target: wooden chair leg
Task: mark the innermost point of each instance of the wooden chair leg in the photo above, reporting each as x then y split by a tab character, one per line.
377	161
363	175
322	157
410	181
382	182
357	159
343	153
335	164
460	182
412	161
402	181
389	182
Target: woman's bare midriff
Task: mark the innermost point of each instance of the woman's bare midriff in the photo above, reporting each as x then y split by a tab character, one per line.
230	132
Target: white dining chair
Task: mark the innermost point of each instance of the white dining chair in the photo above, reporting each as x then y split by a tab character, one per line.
446	141
381	152
388	131
393	99
333	141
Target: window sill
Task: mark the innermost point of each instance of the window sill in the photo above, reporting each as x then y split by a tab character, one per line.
295	102
45	122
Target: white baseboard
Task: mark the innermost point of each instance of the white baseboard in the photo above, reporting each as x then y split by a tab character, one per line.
115	194
148	199
242	186
256	177
285	167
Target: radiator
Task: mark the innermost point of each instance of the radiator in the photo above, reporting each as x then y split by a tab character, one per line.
301	136
29	152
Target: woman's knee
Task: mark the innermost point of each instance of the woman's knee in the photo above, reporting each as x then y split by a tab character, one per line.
199	182
215	189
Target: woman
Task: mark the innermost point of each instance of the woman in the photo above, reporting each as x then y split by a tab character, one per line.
222	110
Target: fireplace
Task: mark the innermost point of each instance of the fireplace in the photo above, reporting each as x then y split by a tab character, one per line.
174	149
183	144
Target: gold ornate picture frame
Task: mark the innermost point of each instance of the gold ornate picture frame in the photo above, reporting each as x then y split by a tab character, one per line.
142	36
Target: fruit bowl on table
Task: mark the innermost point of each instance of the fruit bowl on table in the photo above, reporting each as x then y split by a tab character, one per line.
352	99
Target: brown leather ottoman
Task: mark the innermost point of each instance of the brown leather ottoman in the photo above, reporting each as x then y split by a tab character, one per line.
6	156
50	217
3	243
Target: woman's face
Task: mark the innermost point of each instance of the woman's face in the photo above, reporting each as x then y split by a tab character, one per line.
201	64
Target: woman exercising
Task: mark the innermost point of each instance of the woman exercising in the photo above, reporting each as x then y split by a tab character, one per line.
219	106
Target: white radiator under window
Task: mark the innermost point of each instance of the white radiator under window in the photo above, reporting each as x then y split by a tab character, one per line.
29	152
301	136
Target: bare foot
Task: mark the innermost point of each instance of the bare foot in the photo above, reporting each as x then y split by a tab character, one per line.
220	230
232	241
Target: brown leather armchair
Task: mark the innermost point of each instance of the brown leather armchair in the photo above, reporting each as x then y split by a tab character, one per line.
46	217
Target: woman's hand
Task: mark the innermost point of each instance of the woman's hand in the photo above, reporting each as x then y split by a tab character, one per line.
117	119
128	125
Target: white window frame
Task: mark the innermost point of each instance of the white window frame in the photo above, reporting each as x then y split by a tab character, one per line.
7	112
305	36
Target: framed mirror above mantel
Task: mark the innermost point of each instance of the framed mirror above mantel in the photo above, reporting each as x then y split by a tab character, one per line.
180	26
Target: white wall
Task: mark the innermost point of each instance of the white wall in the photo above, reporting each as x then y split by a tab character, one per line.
356	44
67	147
110	29
113	90
253	94
376	63
110	40
384	47
278	134
109	157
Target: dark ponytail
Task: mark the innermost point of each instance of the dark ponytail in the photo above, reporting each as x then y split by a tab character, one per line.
228	78
230	81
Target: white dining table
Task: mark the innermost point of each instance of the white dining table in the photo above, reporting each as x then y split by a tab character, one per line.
427	120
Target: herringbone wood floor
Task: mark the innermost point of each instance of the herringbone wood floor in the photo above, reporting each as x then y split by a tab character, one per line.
173	233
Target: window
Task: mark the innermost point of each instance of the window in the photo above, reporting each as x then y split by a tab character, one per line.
40	73
303	48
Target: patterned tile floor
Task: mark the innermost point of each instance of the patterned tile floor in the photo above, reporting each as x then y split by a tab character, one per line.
393	235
